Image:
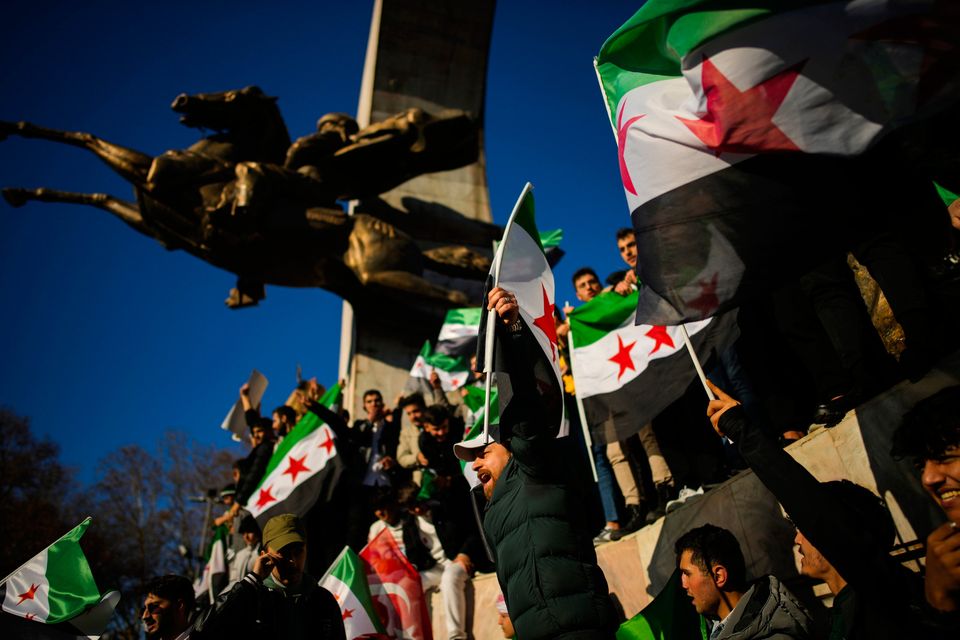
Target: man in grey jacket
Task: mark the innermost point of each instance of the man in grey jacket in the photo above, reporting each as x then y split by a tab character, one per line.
713	573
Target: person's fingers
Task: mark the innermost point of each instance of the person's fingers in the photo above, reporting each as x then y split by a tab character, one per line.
714	406
943	532
720	393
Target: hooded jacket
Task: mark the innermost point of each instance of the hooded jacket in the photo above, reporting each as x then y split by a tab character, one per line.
766	610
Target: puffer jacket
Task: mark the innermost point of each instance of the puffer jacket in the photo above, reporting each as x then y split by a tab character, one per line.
536	521
767	610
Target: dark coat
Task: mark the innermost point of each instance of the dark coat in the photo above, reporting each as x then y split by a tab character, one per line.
252	609
535	521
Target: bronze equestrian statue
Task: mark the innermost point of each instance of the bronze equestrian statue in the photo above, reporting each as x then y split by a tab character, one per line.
246	200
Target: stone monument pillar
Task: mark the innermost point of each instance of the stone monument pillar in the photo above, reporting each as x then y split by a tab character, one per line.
430	54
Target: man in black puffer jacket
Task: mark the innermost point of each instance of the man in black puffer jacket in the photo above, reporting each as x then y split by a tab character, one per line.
535	518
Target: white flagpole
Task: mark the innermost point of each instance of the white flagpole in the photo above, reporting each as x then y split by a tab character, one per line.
696	362
583	416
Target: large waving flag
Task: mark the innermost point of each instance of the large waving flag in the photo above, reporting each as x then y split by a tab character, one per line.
346	579
304	468
627	373
56	587
746	130
396	589
521	267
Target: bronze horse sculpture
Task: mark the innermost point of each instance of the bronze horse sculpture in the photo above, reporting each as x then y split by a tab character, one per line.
246	200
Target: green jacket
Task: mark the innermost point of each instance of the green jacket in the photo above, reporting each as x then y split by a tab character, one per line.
536	520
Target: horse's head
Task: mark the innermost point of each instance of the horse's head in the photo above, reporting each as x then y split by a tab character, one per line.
225	110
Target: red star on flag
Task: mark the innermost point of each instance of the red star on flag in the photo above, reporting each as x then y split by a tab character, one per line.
545	322
347	613
265	497
296	468
622	357
659	335
29	594
707	302
742	121
326	444
622	130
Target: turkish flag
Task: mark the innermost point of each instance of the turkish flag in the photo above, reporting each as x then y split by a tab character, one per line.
396	589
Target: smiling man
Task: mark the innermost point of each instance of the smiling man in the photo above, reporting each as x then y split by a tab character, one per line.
713	574
930	434
535	519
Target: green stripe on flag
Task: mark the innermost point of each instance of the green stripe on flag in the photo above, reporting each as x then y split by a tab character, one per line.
306	425
72	587
650	46
595	319
467	316
443	361
526	219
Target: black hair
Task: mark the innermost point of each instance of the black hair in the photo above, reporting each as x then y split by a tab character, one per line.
623	232
262	423
930	428
711	545
867	508
372	392
436	414
414	398
384	498
249	525
584	271
173	588
286	412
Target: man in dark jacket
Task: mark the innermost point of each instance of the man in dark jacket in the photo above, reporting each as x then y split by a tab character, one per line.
844	534
277	599
534	520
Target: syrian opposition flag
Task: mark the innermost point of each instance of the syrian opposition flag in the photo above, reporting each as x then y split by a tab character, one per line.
521	267
56	587
454	371
627	373
215	575
396	589
346	579
752	133
304	468
458	335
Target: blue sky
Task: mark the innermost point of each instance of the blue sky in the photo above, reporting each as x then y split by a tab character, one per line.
109	339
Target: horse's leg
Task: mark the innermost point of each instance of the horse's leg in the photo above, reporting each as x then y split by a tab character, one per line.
126	211
130	164
414	285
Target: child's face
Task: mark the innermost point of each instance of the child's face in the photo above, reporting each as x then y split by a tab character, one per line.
438	432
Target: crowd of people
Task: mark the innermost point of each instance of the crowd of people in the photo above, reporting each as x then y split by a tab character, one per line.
530	518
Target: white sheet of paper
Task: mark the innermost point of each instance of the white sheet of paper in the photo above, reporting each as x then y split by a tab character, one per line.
235	421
